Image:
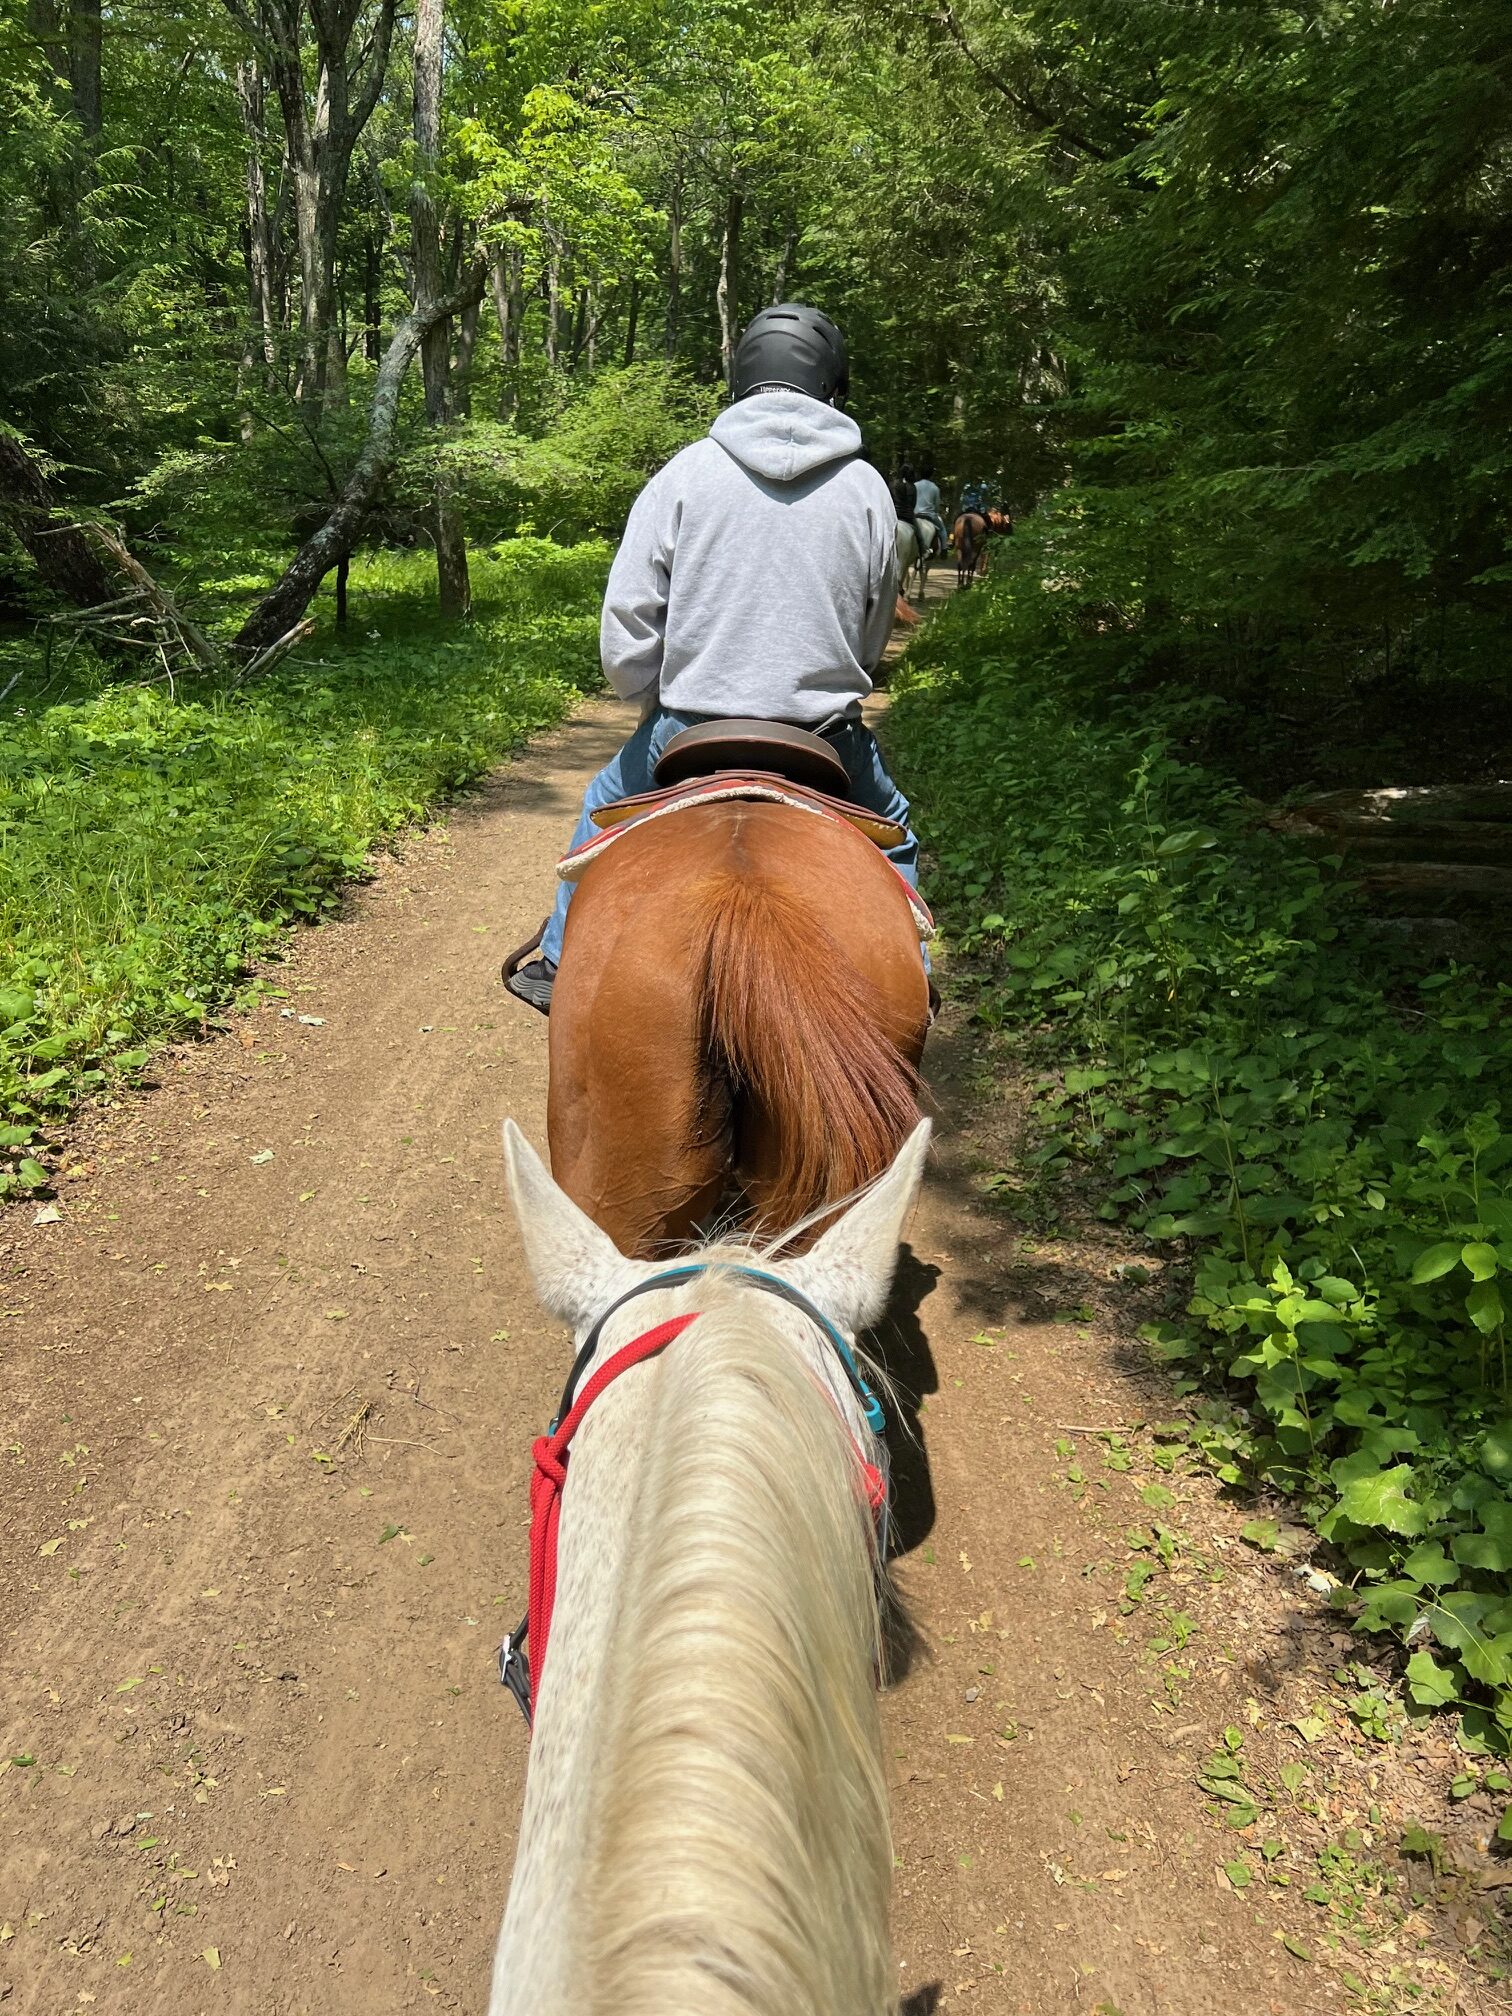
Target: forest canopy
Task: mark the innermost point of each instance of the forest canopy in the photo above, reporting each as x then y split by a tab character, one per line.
1223	288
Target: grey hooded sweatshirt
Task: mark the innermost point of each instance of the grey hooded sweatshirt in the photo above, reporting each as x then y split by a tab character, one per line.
756	574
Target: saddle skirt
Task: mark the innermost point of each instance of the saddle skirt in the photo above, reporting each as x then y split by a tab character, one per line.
759	786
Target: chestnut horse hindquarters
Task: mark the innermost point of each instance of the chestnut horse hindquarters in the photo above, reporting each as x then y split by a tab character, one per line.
741	1002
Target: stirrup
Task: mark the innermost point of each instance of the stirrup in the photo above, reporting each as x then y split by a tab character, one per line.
534	990
517	959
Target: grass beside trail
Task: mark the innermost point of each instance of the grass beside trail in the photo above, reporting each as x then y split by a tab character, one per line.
1319	1128
154	843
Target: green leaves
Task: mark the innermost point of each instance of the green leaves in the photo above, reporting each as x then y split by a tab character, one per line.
180	833
1380	1499
1436	1261
1429	1684
1236	1076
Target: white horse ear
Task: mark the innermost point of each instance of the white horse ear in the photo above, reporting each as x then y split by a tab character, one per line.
849	1272
575	1267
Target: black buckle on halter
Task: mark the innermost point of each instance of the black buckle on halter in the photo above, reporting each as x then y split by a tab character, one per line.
514	1666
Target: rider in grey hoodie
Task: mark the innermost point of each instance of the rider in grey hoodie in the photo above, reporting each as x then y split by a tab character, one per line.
756	577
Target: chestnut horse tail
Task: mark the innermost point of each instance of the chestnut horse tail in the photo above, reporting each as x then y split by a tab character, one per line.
793	1028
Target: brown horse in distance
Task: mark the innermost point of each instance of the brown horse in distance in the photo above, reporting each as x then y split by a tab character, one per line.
741	1002
969	535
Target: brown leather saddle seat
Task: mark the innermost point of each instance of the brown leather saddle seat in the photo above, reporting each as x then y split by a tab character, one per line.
794	753
751	759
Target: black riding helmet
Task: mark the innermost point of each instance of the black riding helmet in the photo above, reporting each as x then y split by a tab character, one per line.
795	348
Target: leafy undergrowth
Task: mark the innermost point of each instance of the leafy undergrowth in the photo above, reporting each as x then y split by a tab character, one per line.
154	843
1258	1083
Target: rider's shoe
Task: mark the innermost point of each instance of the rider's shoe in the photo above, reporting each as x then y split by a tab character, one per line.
533	984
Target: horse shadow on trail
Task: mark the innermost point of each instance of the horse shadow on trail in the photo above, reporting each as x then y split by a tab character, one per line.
899	1345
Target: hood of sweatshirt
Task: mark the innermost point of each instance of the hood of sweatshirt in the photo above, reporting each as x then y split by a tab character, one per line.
785	435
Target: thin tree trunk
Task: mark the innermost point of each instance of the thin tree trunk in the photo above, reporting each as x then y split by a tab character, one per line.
280	610
673	333
435	353
462	361
631	319
728	292
784	261
579	326
553	305
509	307
372	304
251	92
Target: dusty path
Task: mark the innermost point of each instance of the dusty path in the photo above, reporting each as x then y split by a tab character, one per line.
266	1396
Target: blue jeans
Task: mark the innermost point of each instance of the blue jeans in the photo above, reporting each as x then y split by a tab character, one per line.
631	771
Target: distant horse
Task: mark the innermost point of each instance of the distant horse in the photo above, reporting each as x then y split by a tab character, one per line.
907	537
705	1823
741	1002
918	541
970	535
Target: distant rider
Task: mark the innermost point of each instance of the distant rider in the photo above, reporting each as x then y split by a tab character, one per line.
929	505
756	577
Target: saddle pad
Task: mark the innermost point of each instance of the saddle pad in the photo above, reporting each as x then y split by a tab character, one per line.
629	812
758	784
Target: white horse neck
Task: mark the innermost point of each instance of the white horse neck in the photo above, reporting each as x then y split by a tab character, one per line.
705	1827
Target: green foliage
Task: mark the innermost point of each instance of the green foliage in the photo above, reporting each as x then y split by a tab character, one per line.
154	844
1255	1082
579	477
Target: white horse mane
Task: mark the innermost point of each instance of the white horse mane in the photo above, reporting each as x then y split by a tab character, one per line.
705	1828
741	1860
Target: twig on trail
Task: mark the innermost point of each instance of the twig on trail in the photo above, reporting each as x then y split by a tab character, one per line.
1071	1428
404	1442
353	1431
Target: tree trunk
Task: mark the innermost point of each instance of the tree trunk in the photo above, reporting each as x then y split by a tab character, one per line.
326	94
631	319
784	261
579	326
251	91
728	292
673	331
553	306
509	308
462	361
279	611
372	303
435	350
64	558
85	40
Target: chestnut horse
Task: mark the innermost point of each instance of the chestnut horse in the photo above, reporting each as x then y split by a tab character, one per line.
741	1005
969	535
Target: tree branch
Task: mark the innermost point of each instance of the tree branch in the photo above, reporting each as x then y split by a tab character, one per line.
1020	100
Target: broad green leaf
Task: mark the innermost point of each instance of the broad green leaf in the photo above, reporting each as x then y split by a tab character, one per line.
1496	1452
1430	1685
1480	1259
1483	1550
1381	1500
1429	1564
1434	1261
1484	1306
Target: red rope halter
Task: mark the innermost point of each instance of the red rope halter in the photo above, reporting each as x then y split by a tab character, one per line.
547	1484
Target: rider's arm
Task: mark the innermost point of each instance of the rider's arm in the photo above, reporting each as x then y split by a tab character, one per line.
632	632
882	592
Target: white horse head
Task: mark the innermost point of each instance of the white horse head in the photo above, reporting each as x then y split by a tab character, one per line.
705	1824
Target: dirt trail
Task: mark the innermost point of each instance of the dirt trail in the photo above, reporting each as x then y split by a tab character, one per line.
268	1391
